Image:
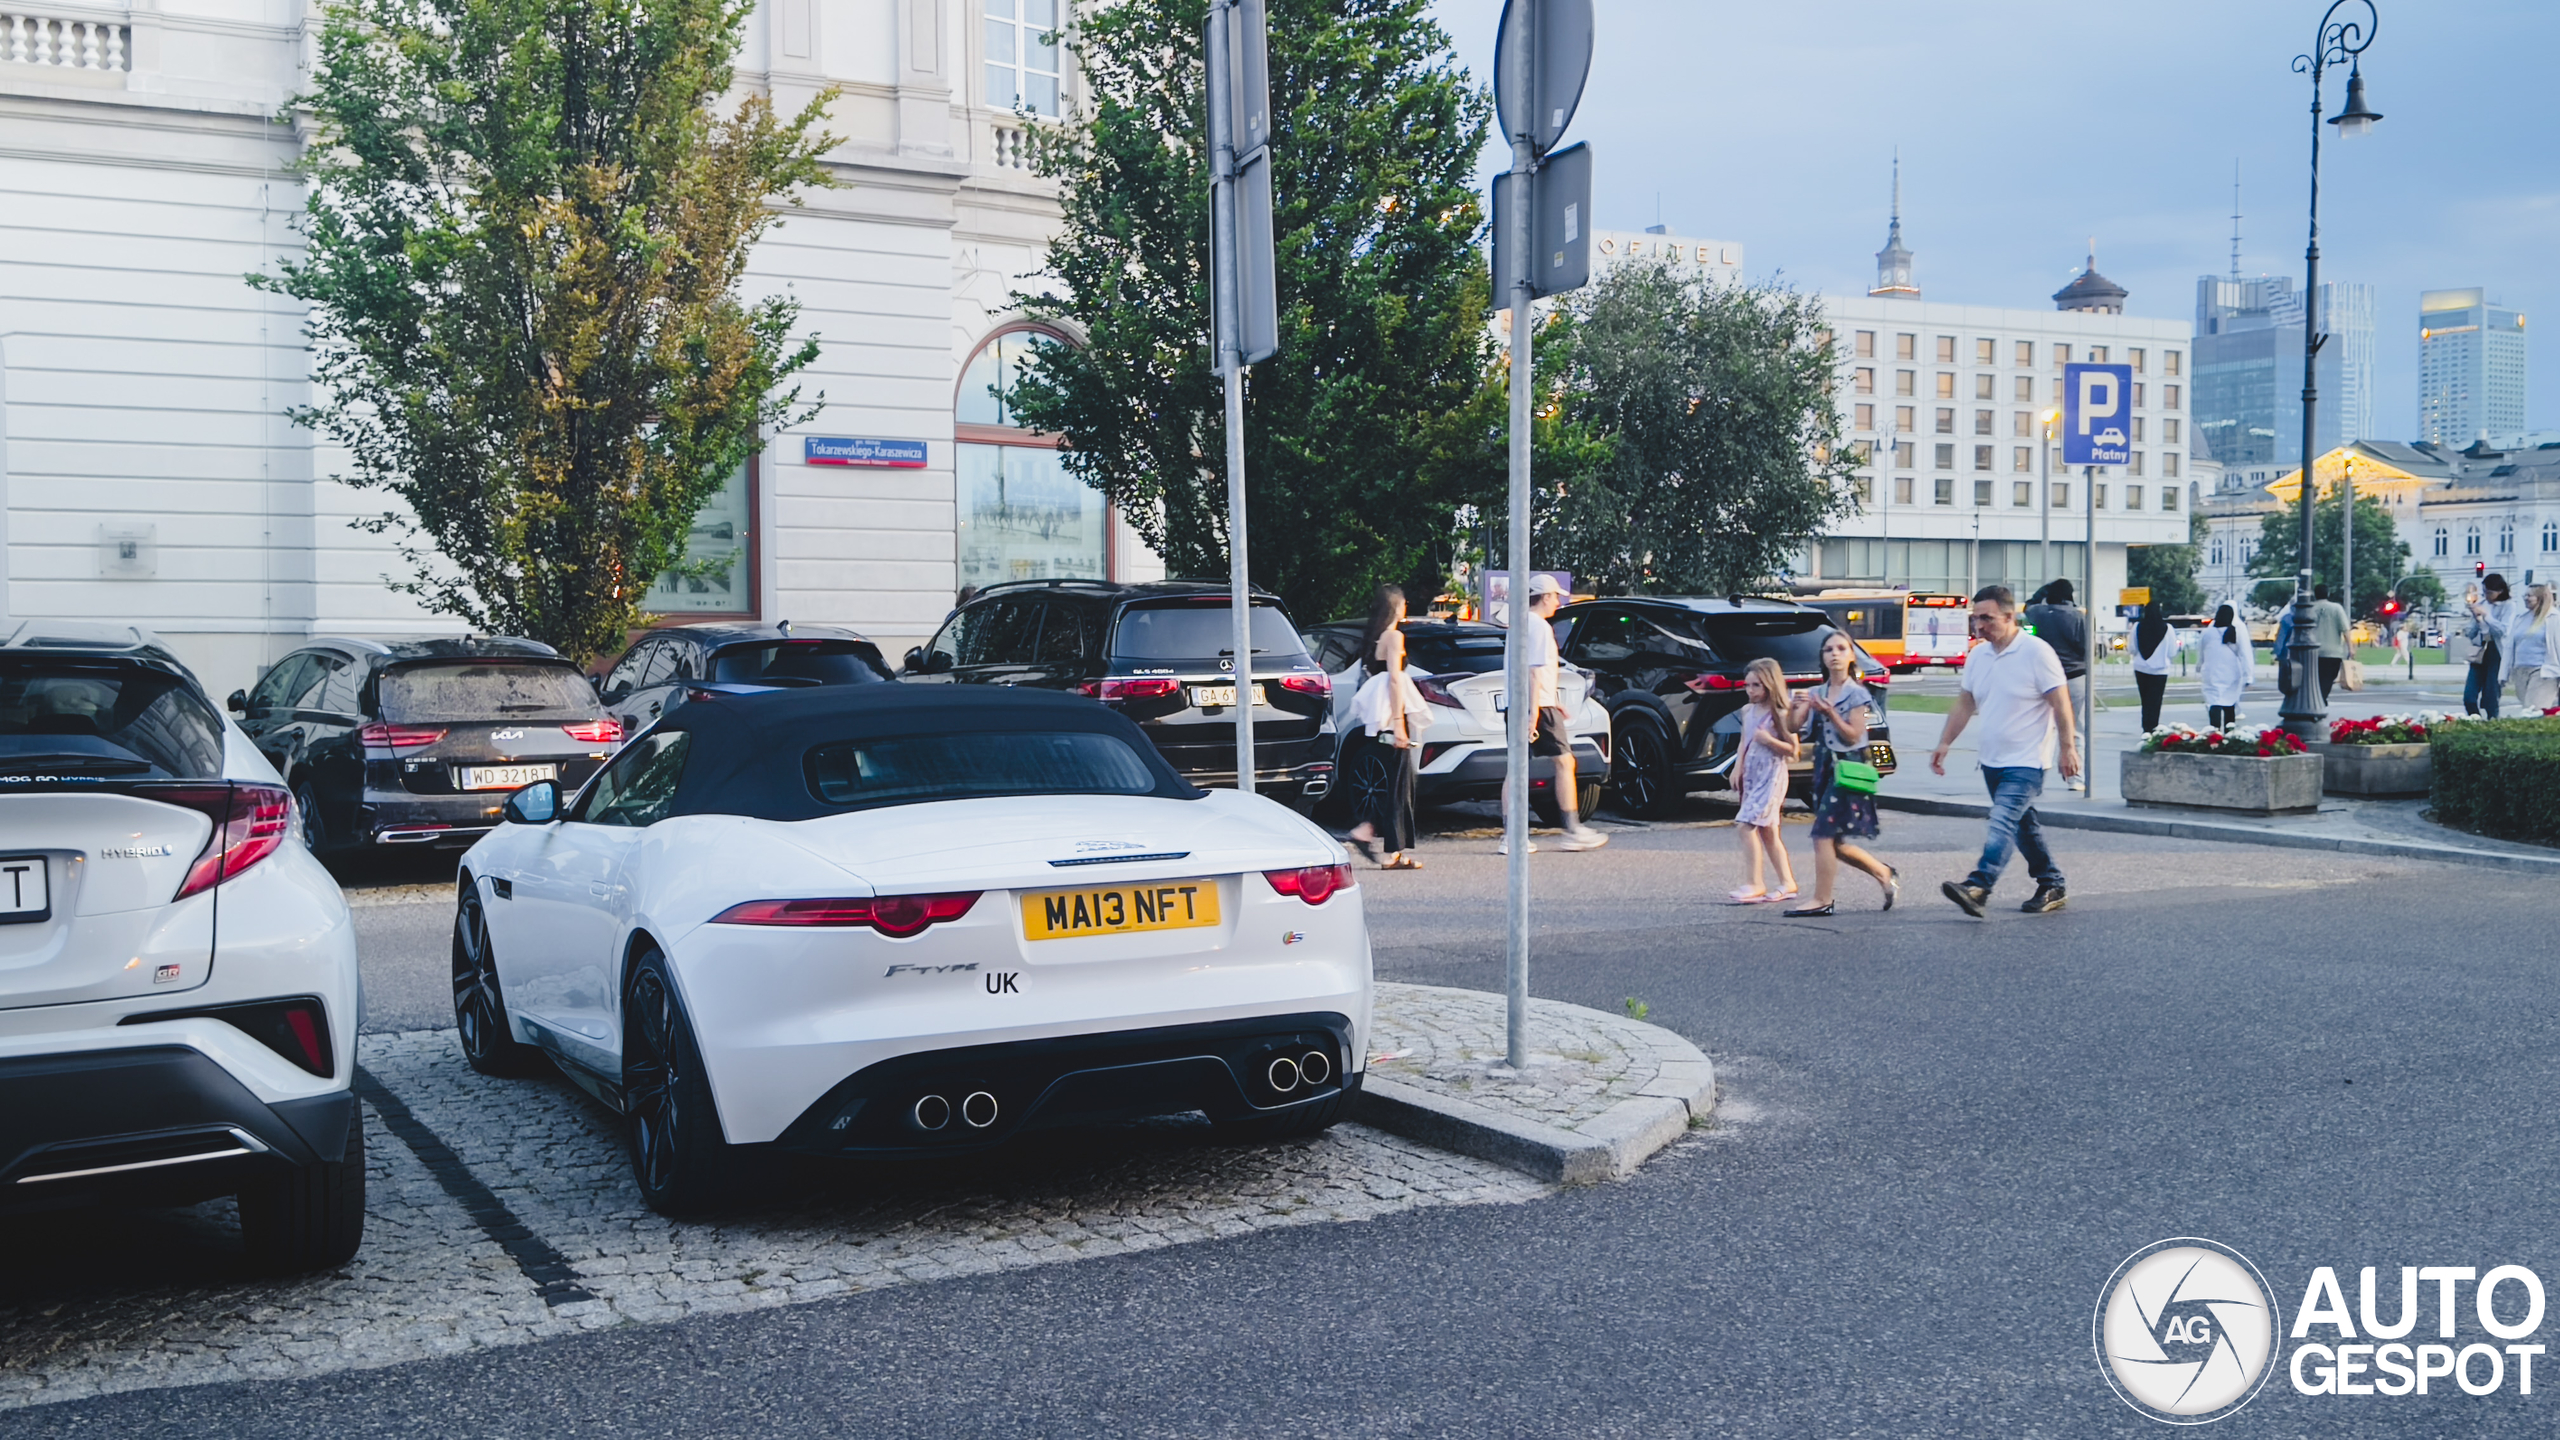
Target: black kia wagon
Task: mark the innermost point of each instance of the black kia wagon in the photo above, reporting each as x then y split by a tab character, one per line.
418	743
1670	671
1162	654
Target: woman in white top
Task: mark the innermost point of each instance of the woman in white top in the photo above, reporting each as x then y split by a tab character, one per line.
2533	651
2225	665
1386	811
2154	642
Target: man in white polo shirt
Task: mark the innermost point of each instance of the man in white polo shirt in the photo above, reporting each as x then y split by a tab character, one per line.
2014	680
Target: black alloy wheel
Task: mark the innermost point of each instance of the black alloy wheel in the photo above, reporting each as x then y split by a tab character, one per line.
1367	780
1641	782
677	1154
314	839
479	1006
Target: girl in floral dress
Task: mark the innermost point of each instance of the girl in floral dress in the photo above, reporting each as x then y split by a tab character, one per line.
1768	743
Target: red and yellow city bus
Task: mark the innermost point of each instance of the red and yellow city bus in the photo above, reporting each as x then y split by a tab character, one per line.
1903	629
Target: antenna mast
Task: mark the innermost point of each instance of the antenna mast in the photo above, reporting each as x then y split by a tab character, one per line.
2235	219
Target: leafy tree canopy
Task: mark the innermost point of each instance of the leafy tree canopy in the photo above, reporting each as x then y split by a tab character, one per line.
2170	570
525	232
1375	134
2381	556
1701	447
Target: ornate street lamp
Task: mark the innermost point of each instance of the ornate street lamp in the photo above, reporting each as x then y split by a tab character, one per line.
2338	41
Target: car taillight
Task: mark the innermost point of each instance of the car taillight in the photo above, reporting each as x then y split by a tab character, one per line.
1152	688
897	916
249	822
1435	688
607	731
1881	677
1314	884
399	737
1308	684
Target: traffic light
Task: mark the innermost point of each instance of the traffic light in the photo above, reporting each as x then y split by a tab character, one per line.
2390	608
2479	568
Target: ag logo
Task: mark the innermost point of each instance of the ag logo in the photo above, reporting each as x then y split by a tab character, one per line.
2185	1331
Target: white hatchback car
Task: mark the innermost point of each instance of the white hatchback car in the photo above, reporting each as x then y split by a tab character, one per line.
178	983
885	919
1457	665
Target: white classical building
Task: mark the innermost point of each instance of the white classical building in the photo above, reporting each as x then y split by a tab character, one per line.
147	472
1948	405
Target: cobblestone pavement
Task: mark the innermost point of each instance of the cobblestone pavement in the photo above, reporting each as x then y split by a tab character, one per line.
1452	1043
130	1300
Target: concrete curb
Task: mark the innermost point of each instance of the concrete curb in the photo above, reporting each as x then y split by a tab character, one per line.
2062	818
1608	1146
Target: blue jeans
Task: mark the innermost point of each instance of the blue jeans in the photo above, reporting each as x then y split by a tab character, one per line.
2014	789
2480	688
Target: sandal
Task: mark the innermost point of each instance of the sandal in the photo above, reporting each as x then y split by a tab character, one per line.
1402	862
1892	886
1366	847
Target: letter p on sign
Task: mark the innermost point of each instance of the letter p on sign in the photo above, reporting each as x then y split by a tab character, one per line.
2098	394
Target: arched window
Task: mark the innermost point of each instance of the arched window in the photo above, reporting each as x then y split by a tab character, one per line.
1021	515
2550	537
2507	538
2215	558
2471	540
2443	541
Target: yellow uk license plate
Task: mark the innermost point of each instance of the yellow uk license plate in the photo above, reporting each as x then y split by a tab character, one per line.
1120	909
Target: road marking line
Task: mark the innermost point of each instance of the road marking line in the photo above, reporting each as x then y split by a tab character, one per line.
554	1278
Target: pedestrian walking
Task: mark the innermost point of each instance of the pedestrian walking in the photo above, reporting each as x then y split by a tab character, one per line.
1837	714
1550	733
2155	644
2051	617
2014	681
2224	669
1768	747
2329	625
2284	653
2533	647
1388	710
2493	612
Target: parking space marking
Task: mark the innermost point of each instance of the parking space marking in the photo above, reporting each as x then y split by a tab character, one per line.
552	1276
125	1300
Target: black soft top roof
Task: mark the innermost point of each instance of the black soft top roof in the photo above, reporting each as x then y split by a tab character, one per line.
750	751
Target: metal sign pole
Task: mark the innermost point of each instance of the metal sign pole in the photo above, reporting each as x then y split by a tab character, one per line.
1518	700
2089	635
1222	151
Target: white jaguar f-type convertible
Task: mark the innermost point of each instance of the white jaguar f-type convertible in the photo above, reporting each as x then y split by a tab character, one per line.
866	920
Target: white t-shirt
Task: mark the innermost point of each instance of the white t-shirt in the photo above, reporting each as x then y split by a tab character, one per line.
1539	639
2015	724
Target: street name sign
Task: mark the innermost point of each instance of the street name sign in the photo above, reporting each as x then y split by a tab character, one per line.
846	450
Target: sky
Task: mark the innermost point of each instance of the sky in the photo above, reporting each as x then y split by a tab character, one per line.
2027	128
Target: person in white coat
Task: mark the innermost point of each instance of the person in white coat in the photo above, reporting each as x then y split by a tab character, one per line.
2225	665
2533	651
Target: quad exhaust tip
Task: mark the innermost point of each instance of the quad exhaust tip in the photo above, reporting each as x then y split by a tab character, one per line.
931	1113
979	1110
1283	1074
1315	1067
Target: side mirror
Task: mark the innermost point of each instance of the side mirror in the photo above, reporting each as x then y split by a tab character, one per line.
238	703
535	804
596	683
916	660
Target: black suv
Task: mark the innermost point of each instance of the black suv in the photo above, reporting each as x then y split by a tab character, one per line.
1162	654
653	676
418	743
1670	670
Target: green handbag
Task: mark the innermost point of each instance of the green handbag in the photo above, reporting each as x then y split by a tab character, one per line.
1855	776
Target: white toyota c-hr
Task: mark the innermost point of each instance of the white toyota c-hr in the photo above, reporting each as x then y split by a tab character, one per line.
881	919
178	983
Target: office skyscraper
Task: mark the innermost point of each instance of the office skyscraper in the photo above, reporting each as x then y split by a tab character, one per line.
2470	367
2248	402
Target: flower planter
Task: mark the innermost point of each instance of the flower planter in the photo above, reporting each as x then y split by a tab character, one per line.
2375	769
2249	784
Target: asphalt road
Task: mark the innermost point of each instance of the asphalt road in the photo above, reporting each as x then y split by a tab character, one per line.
1937	1139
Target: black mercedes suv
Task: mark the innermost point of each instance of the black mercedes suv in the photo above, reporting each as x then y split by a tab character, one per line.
1161	653
1670	670
418	743
654	675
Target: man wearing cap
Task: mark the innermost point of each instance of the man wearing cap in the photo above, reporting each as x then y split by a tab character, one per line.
1552	737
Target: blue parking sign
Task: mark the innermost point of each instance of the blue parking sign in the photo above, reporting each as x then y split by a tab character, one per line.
2097	414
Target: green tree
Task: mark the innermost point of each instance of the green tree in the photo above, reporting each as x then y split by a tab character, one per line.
2170	570
524	235
2381	555
1702	447
1375	135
